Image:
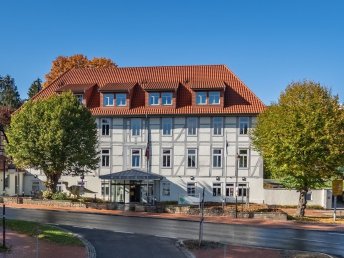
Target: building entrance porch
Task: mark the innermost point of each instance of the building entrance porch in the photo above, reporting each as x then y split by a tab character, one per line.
132	186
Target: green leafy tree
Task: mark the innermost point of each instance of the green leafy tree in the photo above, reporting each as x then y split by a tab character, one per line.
9	95
301	138
56	135
35	87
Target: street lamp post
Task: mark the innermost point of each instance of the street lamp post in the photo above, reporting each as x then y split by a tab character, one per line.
237	159
2	154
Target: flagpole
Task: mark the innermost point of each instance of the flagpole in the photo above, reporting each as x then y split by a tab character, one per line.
147	154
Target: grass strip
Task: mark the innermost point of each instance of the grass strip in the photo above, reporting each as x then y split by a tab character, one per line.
44	232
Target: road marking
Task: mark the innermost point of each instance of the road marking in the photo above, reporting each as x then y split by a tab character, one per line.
341	234
317	241
125	232
164	236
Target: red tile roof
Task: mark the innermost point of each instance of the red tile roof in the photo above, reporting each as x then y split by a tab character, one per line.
239	99
77	88
206	85
160	86
126	86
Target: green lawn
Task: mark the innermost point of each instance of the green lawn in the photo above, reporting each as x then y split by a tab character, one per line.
45	232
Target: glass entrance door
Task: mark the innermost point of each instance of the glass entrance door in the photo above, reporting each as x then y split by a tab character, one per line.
135	193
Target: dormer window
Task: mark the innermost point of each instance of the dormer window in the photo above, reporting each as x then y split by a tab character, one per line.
201	98
214	97
121	99
166	98
208	97
108	100
154	98
80	98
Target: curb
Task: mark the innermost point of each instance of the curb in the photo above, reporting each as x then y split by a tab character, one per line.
90	250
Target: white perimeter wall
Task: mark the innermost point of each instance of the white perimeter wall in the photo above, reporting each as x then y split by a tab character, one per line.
321	197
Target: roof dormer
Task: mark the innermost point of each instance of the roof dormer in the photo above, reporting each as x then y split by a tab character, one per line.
82	92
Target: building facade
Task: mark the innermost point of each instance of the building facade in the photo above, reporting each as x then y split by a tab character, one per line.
168	131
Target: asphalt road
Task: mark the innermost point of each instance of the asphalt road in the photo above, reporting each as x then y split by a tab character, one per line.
305	240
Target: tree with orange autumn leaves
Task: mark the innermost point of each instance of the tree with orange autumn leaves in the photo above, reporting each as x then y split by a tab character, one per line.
64	63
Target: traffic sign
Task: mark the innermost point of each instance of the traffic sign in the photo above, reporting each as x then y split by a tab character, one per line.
337	187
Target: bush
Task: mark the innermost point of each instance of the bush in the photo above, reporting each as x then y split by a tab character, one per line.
47	194
59	196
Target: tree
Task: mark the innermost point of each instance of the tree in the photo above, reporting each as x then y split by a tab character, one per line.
64	63
9	95
301	138
35	87
57	135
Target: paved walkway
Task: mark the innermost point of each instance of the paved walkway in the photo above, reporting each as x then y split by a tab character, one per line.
25	246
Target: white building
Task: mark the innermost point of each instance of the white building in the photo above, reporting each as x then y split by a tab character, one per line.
184	128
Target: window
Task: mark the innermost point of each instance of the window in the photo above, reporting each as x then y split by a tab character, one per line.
309	196
243	125
154	98
80	98
217	125
105	158
135	158
166	126
201	98
166	158
105	189
121	99
242	190
191	189
192	126
135	127
166	189
214	97
192	158
108	99
243	153
166	98
217	158
105	126
216	189
229	190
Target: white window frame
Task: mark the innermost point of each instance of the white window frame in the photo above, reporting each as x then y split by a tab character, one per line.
191	189
135	126
217	158
217	126
166	156
244	123
243	160
166	189
166	122
230	190
192	125
105	189
218	94
132	155
217	189
123	96
105	126
107	99
167	96
192	157
105	160
200	100
154	96
242	189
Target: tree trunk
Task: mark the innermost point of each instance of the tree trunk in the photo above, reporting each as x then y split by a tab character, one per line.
52	180
302	203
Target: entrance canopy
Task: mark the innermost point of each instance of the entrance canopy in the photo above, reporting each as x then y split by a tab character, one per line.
131	174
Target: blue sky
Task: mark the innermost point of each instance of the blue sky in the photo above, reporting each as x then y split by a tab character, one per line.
268	44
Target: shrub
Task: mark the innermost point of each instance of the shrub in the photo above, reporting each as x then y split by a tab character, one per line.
47	194
59	196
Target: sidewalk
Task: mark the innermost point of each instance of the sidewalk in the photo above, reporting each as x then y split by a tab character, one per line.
211	219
